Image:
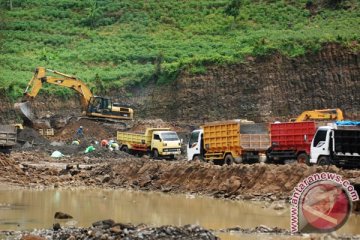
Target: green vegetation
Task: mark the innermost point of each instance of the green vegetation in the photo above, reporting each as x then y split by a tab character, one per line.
112	43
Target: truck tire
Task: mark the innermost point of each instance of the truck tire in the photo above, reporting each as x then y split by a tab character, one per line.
229	160
125	149
155	154
324	161
303	158
5	150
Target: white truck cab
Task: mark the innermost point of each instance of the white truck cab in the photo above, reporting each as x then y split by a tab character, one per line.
195	146
337	144
320	146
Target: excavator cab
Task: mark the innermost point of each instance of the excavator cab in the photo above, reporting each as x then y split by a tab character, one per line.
102	106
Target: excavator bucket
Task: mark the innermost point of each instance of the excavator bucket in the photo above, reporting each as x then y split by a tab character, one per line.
29	117
24	108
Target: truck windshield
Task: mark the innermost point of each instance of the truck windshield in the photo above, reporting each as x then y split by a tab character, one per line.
169	136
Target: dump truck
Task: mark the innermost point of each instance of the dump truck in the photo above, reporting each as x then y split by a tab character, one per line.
8	135
291	140
157	142
336	144
228	142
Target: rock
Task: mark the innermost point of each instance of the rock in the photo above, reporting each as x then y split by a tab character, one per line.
263	229
32	237
57	144
57	154
104	223
116	229
279	206
56	226
27	145
61	215
86	159
104	237
106	178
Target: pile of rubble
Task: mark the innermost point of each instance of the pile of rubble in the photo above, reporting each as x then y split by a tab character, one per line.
108	229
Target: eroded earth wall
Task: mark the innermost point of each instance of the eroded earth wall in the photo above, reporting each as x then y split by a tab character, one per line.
263	88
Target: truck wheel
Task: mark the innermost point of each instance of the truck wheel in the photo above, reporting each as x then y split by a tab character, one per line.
324	161
303	158
229	160
155	154
5	150
125	149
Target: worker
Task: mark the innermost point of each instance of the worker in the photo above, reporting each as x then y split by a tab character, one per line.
104	143
115	146
80	132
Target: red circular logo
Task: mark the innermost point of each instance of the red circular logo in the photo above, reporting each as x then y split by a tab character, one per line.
325	207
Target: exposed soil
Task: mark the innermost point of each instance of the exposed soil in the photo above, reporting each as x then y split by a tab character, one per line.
266	88
103	168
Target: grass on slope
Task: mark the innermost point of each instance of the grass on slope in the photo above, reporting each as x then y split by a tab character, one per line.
134	41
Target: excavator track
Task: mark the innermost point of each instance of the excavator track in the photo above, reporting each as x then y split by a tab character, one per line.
121	124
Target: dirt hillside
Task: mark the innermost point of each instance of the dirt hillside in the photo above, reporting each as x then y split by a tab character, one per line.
261	89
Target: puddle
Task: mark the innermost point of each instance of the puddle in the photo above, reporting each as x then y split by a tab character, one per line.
28	209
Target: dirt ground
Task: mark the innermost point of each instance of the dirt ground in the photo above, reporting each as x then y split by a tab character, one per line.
31	166
103	168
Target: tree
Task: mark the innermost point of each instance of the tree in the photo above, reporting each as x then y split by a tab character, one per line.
233	8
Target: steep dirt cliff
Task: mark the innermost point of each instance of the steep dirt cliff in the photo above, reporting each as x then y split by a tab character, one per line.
261	89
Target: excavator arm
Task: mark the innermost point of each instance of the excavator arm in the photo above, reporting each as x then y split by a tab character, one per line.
322	114
64	80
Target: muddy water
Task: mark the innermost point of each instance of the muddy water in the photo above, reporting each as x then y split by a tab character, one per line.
28	209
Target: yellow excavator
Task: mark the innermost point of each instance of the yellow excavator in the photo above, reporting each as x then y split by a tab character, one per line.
320	115
95	107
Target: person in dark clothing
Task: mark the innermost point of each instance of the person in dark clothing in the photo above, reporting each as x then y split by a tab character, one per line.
80	132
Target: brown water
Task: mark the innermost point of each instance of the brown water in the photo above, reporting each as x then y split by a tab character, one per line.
28	209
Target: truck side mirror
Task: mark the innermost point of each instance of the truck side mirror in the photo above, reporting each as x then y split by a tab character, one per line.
305	138
181	141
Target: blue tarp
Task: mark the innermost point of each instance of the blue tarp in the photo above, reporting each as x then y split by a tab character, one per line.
348	123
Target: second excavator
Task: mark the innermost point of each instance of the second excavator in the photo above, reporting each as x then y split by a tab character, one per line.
95	107
335	114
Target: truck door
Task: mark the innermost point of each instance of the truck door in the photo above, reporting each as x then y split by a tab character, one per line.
156	143
194	145
320	145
